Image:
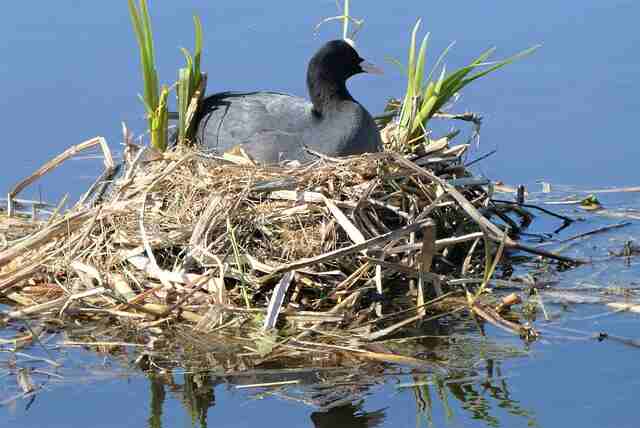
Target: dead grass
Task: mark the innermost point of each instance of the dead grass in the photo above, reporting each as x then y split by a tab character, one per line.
346	251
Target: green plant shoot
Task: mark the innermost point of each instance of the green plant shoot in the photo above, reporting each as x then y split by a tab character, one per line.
189	79
423	100
153	99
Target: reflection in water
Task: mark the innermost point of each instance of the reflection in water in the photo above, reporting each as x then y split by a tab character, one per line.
449	390
198	397
482	399
196	394
157	401
348	415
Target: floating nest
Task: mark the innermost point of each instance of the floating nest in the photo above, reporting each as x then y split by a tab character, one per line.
282	261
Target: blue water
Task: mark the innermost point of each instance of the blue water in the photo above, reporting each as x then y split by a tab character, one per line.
566	115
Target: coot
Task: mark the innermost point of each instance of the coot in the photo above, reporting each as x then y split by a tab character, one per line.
272	127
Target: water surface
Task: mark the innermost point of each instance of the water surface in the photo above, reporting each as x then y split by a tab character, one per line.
566	115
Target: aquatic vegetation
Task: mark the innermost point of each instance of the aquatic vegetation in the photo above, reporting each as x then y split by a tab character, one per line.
346	19
426	97
154	98
190	82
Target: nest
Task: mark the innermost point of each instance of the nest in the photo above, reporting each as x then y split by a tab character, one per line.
346	251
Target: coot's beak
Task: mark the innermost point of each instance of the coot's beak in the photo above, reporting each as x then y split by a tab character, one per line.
368	67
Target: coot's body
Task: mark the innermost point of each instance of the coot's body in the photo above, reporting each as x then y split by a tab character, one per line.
272	127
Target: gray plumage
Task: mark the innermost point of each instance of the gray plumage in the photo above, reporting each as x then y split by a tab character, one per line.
272	127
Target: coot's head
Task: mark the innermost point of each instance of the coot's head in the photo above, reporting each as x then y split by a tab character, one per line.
337	61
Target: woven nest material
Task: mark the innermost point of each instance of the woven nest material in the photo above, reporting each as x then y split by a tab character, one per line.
348	250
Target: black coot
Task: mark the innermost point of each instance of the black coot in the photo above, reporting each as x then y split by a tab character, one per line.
272	127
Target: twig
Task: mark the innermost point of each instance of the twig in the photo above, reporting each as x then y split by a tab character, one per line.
277	298
54	163
535	207
596	231
331	255
483	157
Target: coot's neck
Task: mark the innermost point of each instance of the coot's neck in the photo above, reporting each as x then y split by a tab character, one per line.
326	92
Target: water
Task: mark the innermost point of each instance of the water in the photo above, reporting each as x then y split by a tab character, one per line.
565	114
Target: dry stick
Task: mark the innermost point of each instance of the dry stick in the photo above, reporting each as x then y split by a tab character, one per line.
155	310
8	281
391	208
507	302
172	166
390	358
360	238
128	177
541	303
406	311
211	216
352	231
365	196
199	235
54	163
546	211
86	233
46	235
116	313
409	271
21	274
158	310
378	282
618	306
100	185
143	231
110	169
483	157
548	254
331	255
53	303
275	303
195	287
143	234
595	231
494	232
346	302
467	260
493	317
440	243
395	327
145	265
350	280
426	259
464	203
57	210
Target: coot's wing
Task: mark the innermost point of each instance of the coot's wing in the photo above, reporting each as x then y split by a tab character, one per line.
268	125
